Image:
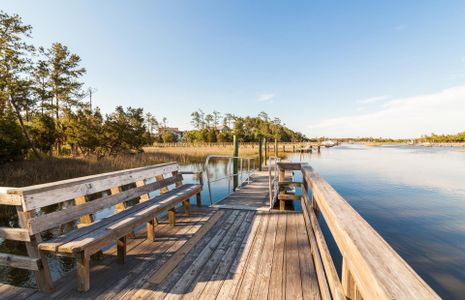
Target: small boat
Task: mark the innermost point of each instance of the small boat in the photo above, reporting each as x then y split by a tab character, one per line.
328	143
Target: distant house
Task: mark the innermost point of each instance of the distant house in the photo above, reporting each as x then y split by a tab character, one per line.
223	128
173	130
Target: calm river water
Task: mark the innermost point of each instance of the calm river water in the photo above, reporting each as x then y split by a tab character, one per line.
413	196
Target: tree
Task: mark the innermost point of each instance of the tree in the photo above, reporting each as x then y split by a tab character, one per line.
64	74
15	66
43	132
168	137
263	116
85	129
152	123
196	120
216	118
209	121
124	130
13	145
228	119
41	88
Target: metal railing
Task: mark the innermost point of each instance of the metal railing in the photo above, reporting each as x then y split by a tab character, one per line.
241	166
273	179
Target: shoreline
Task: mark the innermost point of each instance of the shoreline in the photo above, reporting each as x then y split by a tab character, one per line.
452	145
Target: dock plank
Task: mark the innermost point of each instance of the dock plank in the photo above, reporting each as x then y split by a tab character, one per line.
262	280
277	273
293	282
222	272
253	196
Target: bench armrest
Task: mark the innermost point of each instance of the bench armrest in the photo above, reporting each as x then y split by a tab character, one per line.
199	174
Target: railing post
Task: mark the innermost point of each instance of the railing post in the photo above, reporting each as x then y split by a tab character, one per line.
43	277
248	170
266	150
276	147
260	162
236	154
348	283
282	177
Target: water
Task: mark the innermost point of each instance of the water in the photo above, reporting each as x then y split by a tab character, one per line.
413	196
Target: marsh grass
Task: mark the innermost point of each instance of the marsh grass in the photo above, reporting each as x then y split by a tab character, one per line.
30	172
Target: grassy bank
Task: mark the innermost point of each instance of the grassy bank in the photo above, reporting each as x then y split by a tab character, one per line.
29	172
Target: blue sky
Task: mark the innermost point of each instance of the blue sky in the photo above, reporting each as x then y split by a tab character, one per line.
334	68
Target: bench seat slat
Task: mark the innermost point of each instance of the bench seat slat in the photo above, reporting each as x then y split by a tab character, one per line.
103	231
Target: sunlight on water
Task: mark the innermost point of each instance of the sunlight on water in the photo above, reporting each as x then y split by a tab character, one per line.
413	196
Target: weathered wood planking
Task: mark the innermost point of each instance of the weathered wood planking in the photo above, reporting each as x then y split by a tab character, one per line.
51	193
53	219
252	196
378	271
324	261
16	234
12	292
21	262
164	200
169	266
9	199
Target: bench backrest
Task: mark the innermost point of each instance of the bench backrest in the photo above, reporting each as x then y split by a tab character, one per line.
95	187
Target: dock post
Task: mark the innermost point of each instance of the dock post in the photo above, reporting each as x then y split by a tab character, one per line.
266	150
281	178
260	158
236	153
276	147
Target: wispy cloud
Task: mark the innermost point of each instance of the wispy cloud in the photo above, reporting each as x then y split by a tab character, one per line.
373	99
401	27
440	112
266	97
463	59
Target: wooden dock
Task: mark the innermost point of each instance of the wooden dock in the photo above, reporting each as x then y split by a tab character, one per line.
252	196
241	249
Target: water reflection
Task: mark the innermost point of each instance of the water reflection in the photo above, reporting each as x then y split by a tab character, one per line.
414	197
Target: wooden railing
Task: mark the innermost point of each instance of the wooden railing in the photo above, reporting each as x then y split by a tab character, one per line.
371	269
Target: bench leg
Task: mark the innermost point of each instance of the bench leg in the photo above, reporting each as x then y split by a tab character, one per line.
171	217
121	249
199	200
282	205
151	230
44	281
186	204
82	266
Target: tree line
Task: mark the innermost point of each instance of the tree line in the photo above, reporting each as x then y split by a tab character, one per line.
444	138
215	127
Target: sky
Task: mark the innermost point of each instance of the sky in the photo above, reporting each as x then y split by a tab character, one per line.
325	68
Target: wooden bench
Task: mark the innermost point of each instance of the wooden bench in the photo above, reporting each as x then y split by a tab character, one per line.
91	194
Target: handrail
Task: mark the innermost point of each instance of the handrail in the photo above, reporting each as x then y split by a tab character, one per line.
371	268
273	180
250	171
